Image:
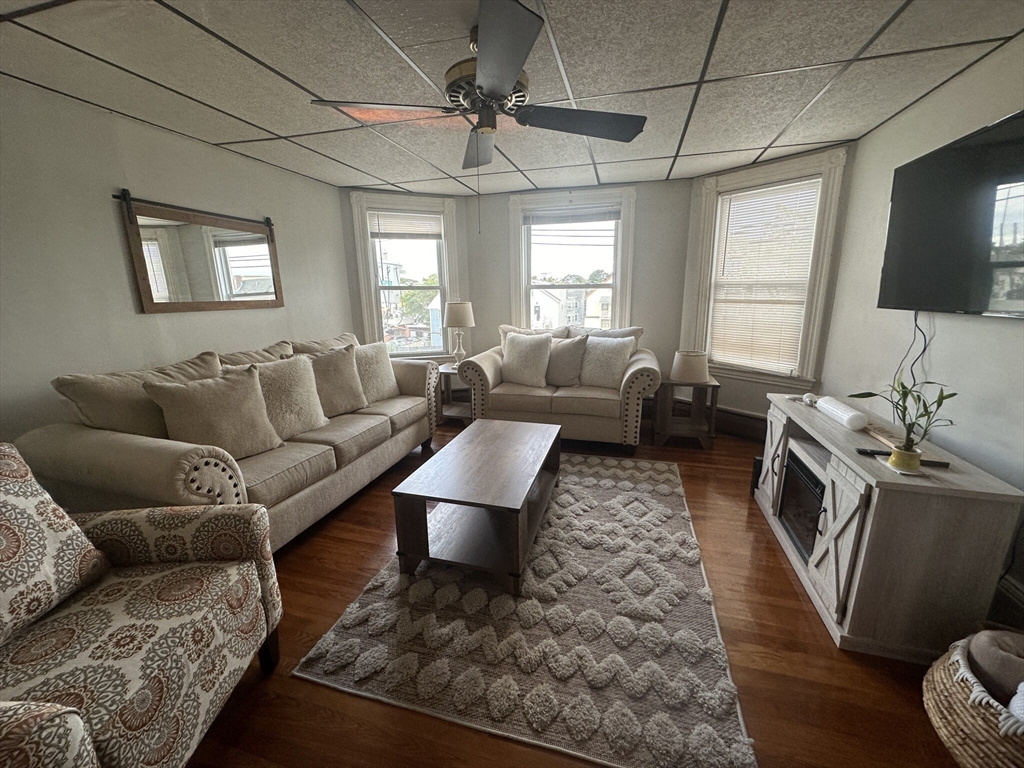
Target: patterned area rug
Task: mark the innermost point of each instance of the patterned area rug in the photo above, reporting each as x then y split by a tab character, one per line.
612	653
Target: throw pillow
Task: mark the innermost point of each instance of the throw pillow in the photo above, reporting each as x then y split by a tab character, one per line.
634	332
290	391
525	360
561	332
324	345
265	355
44	556
376	373
566	361
117	401
605	361
337	381
228	412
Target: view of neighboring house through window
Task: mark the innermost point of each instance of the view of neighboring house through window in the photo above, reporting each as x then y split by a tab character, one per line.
1006	284
243	265
764	242
407	250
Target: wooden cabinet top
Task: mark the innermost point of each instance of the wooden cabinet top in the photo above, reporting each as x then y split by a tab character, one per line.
959	479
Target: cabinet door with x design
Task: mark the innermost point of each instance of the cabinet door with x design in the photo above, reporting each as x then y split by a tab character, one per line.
840	522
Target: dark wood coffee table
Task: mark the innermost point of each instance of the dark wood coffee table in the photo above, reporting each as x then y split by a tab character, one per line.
479	501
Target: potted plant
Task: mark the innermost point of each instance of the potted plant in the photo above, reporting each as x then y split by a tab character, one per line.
916	413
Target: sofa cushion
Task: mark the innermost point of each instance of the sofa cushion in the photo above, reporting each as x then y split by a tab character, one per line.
290	393
561	332
605	361
148	655
566	362
228	412
275	475
117	401
337	381
589	401
525	360
350	435
44	556
402	411
376	373
266	355
632	332
322	345
517	397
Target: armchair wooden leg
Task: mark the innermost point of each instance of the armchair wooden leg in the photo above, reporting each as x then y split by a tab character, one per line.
425	445
269	653
630	450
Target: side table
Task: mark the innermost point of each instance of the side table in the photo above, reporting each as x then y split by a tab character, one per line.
700	424
449	409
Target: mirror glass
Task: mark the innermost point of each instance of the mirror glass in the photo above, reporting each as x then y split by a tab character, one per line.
191	261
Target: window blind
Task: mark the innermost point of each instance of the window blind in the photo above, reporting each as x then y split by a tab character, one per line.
399	225
762	262
572	215
155	267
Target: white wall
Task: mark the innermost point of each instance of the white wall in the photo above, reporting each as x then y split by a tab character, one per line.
68	297
659	262
982	358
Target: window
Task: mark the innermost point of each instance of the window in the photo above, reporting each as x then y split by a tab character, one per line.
155	270
766	240
570	256
404	264
243	267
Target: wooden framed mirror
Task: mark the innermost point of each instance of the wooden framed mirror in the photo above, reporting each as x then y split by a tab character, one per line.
195	261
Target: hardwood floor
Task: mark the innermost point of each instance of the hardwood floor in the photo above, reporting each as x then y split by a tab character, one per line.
806	703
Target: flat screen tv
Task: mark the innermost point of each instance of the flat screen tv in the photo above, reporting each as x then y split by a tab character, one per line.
956	227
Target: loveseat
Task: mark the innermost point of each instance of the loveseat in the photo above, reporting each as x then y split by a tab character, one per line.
122	455
122	636
604	408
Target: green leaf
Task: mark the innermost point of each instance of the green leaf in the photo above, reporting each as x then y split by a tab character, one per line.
865	394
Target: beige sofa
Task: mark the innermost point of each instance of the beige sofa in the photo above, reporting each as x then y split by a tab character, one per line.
585	413
88	469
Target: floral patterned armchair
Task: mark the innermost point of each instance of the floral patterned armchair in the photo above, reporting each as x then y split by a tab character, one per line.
123	633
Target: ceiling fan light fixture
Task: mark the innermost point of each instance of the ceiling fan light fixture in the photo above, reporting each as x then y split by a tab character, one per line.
461	91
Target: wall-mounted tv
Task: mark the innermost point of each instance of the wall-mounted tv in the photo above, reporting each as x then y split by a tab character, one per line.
956	227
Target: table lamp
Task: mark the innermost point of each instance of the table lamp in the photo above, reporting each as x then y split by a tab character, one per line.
690	367
458	315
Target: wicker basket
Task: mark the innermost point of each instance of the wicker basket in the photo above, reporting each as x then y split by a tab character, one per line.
970	730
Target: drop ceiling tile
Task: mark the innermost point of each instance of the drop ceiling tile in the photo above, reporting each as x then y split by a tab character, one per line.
365	149
773	153
609	47
768	35
634	170
283	153
9	6
871	91
944	22
666	114
689	166
574	176
539	148
750	111
413	22
494	183
38	60
383	188
439	141
438	187
325	45
151	41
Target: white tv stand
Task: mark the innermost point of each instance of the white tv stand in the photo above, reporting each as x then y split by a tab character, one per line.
901	566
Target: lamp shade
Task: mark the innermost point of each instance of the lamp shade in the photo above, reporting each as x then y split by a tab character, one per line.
458	314
690	367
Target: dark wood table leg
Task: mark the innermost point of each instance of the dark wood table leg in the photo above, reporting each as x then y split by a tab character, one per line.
714	412
698	404
553	460
519	531
411	531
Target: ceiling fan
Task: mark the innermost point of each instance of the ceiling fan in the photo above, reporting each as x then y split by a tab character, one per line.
494	83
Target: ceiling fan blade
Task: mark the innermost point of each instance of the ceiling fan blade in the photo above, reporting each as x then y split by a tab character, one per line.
362	105
479	150
507	32
602	125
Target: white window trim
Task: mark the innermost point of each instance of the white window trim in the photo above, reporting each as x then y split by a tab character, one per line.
826	165
362	202
518	205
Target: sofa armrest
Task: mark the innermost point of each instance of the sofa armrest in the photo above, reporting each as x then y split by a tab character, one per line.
150	468
642	377
194	534
419	378
481	373
41	733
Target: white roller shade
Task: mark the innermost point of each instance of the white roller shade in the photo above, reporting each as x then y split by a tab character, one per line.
398	225
572	215
762	261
